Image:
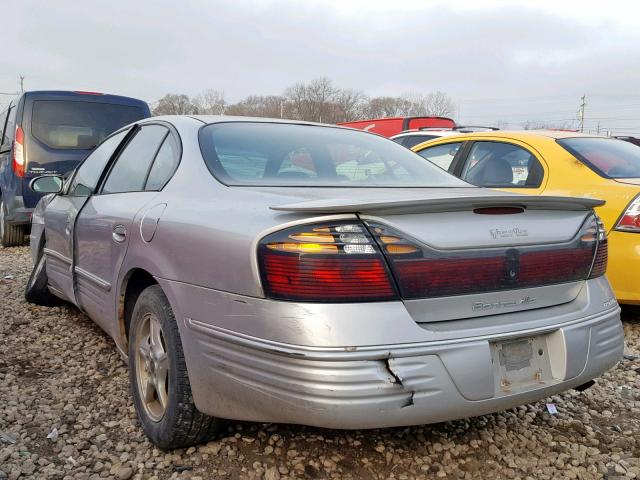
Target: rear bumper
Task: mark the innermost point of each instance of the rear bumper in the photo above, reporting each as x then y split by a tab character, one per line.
623	269
245	377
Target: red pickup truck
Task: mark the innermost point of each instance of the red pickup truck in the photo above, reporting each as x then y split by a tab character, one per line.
389	127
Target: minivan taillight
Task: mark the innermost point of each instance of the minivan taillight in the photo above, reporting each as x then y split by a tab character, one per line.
630	220
330	262
18	152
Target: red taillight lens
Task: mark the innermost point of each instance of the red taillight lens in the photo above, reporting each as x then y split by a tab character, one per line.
630	220
18	153
422	271
339	262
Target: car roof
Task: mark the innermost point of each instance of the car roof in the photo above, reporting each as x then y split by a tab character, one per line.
423	133
209	119
102	97
555	134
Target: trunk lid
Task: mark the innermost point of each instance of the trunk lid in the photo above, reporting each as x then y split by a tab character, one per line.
628	181
473	252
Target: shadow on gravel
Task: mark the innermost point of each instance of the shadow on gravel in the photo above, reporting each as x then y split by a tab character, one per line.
630	313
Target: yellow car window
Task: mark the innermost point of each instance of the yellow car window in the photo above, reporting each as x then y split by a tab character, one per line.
441	155
499	164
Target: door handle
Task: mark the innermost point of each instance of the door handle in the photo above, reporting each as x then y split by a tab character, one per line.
119	234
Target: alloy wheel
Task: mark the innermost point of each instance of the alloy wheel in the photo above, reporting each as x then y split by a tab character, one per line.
152	366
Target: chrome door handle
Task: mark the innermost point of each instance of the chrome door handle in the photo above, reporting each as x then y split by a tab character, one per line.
119	234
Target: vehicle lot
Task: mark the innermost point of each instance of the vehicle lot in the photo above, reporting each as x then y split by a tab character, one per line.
57	369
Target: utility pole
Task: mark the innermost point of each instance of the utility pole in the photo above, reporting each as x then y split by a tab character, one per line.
598	129
582	105
21	77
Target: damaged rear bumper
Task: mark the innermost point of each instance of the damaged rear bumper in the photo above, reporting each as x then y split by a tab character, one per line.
243	377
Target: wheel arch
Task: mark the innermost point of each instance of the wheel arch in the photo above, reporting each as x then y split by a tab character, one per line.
132	285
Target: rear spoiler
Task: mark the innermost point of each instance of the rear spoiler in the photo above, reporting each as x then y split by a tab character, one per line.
432	205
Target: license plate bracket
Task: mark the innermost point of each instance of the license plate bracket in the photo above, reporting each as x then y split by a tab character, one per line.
520	364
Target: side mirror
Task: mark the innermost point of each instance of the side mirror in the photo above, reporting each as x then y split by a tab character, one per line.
46	184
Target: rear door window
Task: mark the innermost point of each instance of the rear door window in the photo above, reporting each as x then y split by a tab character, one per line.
609	157
130	170
66	124
441	155
501	164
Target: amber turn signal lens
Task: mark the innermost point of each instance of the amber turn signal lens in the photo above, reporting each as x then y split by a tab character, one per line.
401	249
389	239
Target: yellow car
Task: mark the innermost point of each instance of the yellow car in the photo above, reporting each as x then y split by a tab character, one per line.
559	163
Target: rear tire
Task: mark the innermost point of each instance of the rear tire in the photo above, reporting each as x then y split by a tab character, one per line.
159	378
10	235
37	289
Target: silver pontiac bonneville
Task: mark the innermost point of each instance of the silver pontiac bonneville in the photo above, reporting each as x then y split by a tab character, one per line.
280	271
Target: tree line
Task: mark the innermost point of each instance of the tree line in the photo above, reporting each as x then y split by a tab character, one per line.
318	100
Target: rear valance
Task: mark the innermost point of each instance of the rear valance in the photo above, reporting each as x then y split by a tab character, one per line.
429	205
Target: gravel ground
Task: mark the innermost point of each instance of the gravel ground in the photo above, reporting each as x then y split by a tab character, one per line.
59	371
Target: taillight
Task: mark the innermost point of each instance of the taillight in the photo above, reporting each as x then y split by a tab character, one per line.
18	152
332	262
630	220
422	271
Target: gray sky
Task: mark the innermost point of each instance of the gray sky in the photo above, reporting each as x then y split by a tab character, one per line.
499	60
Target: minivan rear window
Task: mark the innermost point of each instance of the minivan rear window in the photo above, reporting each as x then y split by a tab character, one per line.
282	154
609	157
64	124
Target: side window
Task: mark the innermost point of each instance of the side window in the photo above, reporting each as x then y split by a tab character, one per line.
86	178
164	165
10	129
129	171
441	155
499	164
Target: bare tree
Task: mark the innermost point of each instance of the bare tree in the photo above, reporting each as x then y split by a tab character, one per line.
296	96
174	104
542	125
439	104
314	101
435	104
350	105
258	106
380	107
210	102
317	100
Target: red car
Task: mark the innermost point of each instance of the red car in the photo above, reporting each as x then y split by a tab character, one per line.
388	127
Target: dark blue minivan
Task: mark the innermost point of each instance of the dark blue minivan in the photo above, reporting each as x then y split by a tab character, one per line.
50	132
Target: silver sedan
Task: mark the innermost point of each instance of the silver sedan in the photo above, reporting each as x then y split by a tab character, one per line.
281	271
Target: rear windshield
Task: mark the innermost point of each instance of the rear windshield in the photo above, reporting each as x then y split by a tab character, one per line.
77	124
609	157
253	153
